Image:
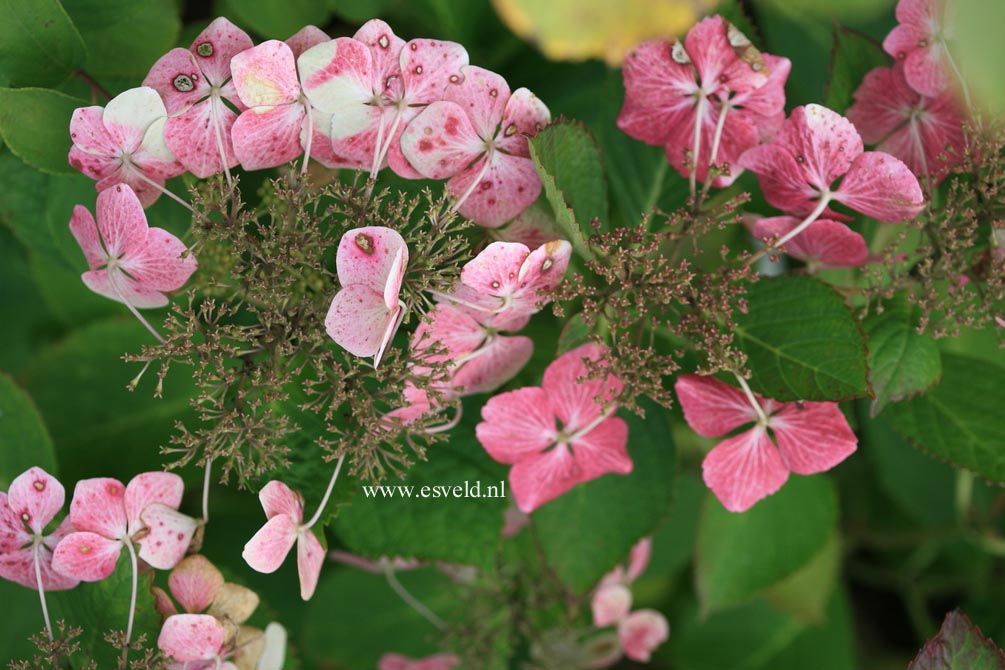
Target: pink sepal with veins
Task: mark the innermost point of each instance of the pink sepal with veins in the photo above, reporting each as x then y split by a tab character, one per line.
189	639
612	599
919	42
824	244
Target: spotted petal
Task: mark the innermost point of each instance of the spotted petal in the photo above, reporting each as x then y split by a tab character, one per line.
168	535
498	361
265	137
86	556
185	638
98	506
369	257
441	141
336	78
505	188
195	582
147	488
883	187
216	47
359	320
36	497
197	136
278	498
825	244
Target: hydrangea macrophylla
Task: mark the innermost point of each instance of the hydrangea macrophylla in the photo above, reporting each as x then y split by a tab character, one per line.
198	587
31	503
612	600
477	138
641	632
195	641
926	133
825	244
366	312
196	86
919	42
519	428
435	662
123	143
705	100
375	84
806	438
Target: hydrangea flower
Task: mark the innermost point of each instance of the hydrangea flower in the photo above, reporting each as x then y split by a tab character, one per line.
108	516
806	438
641	632
123	143
195	641
477	138
557	435
129	261
926	133
195	83
919	42
435	662
612	600
198	586
825	244
705	100
366	312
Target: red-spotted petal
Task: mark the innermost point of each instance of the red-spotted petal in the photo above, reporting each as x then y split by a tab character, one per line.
86	556
507	187
368	257
278	498
541	272
743	469
710	49
267	550
574	401
197	136
122	224
266	75
881	186
337	79
151	487
517	425
825	244
428	67
169	534
216	47
36	497
782	180
441	141
265	137
178	79
823	142
99	506
310	558
88	132
659	93
525	115
711	407
812	436
116	286
194	583
185	638
483	95
495	270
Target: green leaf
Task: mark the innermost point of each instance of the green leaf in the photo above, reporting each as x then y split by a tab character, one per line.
802	341
959	645
39	46
738	555
276	19
24	441
35	124
852	56
572	172
902	362
806	593
28	321
961	419
124	37
587	531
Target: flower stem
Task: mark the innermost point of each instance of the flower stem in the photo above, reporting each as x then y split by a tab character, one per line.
205	491
825	200
213	101
327	495
411	600
762	418
162	189
136	312
716	141
471	189
41	589
692	179
132	599
310	139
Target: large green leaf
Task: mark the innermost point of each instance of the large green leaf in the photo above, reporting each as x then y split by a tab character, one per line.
276	19
587	531
738	555
24	441
853	55
802	341
902	362
960	420
35	124
806	593
39	46
28	321
959	645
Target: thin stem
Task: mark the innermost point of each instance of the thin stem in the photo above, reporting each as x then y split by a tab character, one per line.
390	138
762	418
477	180
136	313
213	101
716	140
310	139
692	179
964	495
41	588
375	166
444	427
132	599
825	200
205	491
327	495
161	188
411	600
593	424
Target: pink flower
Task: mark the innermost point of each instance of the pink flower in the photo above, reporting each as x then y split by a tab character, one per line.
194	84
31	503
305	38
436	662
532	227
195	641
813	149
107	516
129	261
714	77
919	42
123	143
374	84
519	428
824	244
266	551
925	133
641	632
809	437
477	138
366	312
612	600
198	586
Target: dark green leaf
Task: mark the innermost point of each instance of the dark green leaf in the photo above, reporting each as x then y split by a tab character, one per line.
24	441
35	124
738	555
852	56
39	46
902	362
28	321
276	19
805	593
802	341
959	645
587	531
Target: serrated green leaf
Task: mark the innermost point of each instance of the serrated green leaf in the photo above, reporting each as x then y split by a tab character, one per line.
738	555
35	124
802	341
276	19
805	593
572	172
902	362
24	441
39	45
587	531
961	419
852	56
959	645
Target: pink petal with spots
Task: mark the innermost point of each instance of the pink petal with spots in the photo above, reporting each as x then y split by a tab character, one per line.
738	135
428	67
162	263
641	632
151	487
814	437
216	46
826	142
742	469
118	287
36	497
88	132
574	401
86	556
99	506
483	95
359	145
525	115
129	114
359	320
452	328
882	103
506	188
658	93
195	137
13	534
305	38
191	637
495	270
497	362
122	224
93	165
918	42
711	407
318	127
638	558
267	550
176	76
265	137
278	498
825	244
765	105
541	272
266	75
517	425
369	257
610	604
782	180
441	141
310	558
18	566
543	477
194	583
881	186
336	78
714	58
385	49
129	176
170	534
602	450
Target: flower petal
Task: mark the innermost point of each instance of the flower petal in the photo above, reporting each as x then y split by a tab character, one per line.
266	75
162	264
823	142
658	93
525	115
196	136
497	362
98	506
265	137
13	534
85	231
641	632
122	223
234	603
538	479
176	76
574	401
638	558
194	583
505	188
428	67
610	604
86	556
129	114
483	94
267	550
191	637
88	132
118	287
216	46
542	271
812	436
826	244
603	450
517	425
366	256
742	469
147	488
36	497
782	180
336	78
359	321
495	270
881	186
305	38
169	534
278	498
310	558
441	141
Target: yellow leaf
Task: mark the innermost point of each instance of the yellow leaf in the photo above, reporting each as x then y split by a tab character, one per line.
607	29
